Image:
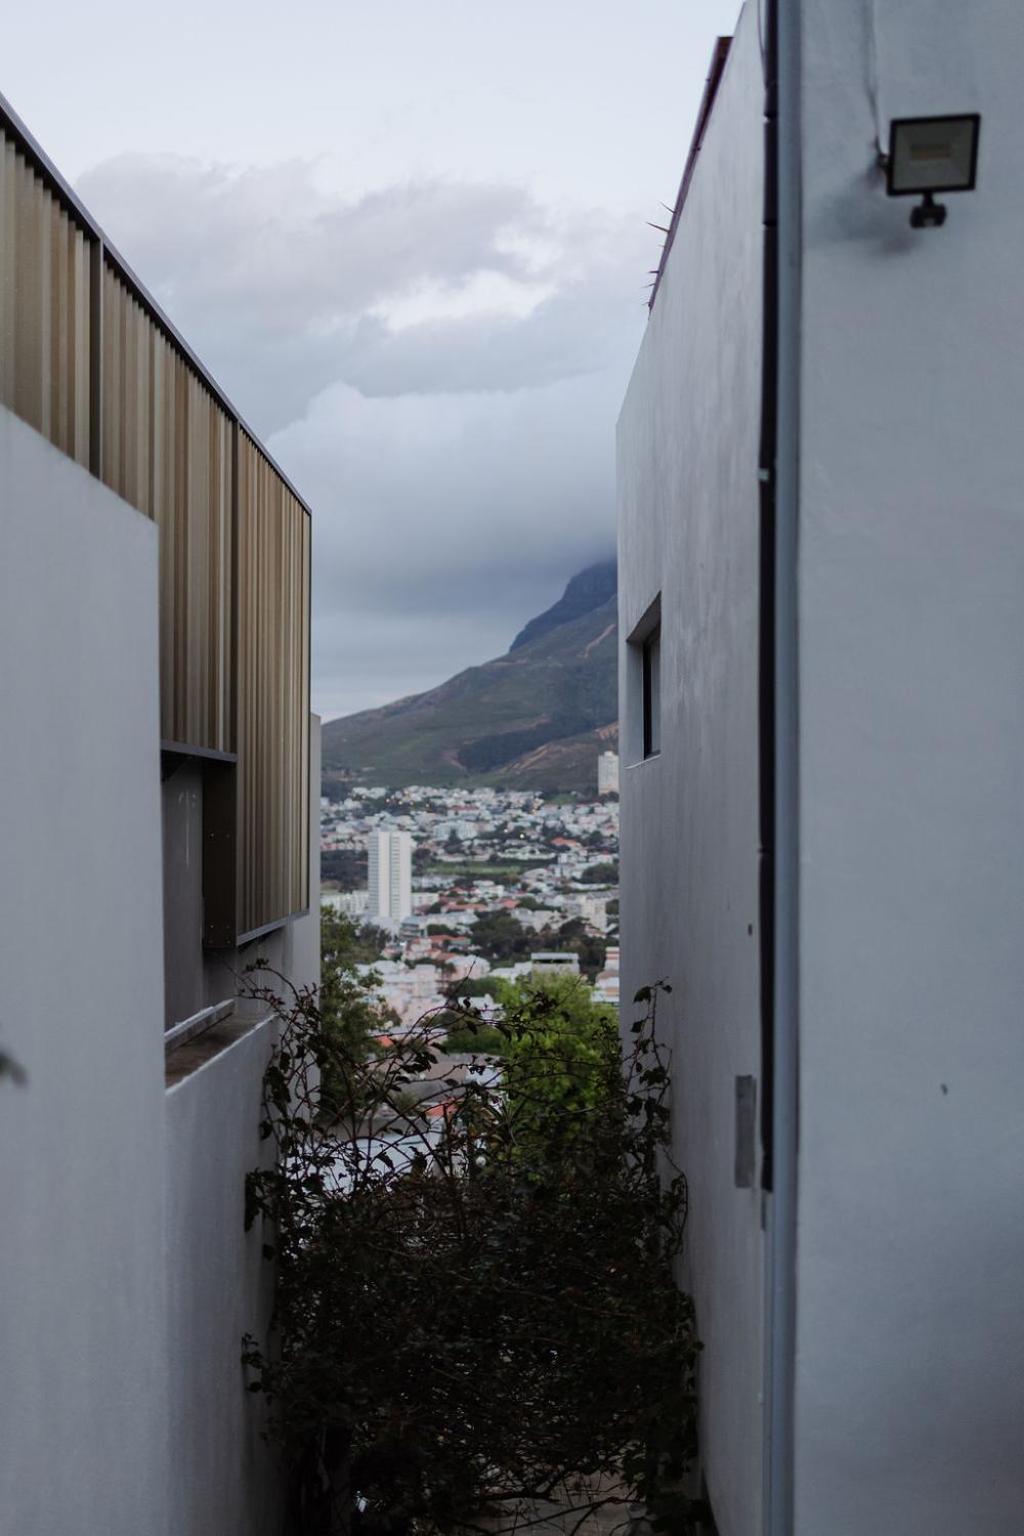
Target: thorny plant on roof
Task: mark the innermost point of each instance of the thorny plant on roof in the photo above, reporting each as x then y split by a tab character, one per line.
476	1321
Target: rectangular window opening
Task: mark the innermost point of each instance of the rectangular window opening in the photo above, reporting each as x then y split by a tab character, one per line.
650	664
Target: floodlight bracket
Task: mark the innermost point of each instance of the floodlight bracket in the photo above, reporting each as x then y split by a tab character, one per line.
928	214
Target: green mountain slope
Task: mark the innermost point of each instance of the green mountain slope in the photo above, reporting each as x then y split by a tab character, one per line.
535	718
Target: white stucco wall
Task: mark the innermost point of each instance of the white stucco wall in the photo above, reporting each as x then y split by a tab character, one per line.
225	1480
688	498
82	1341
910	1369
126	1277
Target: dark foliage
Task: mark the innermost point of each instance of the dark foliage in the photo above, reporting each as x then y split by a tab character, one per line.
601	874
348	1018
483	1039
500	937
476	1310
575	937
471	986
345	866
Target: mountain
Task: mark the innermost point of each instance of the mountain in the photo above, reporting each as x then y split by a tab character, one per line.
586	591
535	718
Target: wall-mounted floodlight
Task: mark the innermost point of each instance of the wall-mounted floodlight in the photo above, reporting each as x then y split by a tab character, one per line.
929	155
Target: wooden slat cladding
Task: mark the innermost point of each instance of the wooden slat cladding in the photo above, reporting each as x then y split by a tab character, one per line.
44	308
273	694
167	447
89	360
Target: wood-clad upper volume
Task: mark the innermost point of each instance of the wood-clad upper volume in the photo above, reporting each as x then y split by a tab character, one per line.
273	687
167	447
44	308
90	360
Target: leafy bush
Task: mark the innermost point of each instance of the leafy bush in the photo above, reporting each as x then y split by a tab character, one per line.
472	986
562	1061
601	874
482	1039
348	1018
476	1310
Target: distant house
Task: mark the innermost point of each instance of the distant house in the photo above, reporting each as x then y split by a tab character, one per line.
821	567
546	961
608	773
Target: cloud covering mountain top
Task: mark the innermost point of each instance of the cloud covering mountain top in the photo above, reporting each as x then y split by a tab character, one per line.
410	242
438	366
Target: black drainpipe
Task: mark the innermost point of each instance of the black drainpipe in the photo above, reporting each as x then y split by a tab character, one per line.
766	602
778	731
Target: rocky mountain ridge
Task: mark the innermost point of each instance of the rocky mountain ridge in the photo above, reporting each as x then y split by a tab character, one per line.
535	718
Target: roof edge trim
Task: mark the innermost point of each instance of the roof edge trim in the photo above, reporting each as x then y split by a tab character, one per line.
719	54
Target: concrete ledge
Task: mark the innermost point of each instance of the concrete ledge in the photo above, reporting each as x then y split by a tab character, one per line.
209	1039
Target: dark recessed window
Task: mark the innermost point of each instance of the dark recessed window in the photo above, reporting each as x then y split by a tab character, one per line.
650	663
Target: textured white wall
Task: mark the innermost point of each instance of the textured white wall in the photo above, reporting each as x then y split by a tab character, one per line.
82	1320
224	1479
126	1278
688	496
910	1384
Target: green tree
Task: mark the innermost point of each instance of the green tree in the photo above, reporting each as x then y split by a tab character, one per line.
575	936
499	936
348	1015
472	986
346	867
601	874
454	1344
561	1059
472	1034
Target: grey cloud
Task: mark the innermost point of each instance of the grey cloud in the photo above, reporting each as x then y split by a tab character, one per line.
438	512
582	328
460	470
270	236
276	278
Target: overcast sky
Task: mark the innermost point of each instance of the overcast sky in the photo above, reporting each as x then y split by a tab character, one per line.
409	238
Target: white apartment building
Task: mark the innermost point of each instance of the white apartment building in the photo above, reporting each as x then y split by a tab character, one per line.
593	909
821	568
536	922
353	904
389	863
608	773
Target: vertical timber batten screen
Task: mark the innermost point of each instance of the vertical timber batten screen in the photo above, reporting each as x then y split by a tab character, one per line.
167	448
44	308
273	693
88	359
